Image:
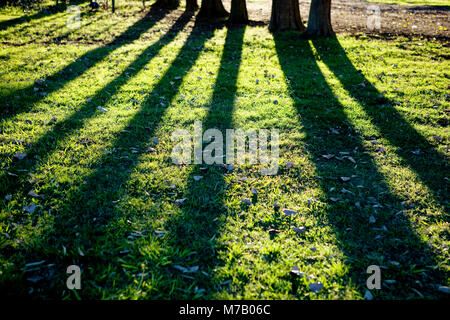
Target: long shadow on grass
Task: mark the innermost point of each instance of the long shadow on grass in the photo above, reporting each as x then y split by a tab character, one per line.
194	228
429	165
27	97
88	218
55	138
391	241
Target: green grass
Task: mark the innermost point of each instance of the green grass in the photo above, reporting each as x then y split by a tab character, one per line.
103	198
414	2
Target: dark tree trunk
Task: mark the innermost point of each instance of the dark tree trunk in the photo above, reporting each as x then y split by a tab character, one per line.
319	21
238	12
166	4
212	9
191	5
285	16
113	6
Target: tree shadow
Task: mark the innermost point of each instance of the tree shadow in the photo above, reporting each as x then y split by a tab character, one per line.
74	69
429	164
390	242
50	141
196	225
90	209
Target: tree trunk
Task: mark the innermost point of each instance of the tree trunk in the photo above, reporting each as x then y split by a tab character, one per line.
319	21
212	9
166	4
191	5
238	12
285	16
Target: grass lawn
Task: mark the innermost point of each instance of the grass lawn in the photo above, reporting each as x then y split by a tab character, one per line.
365	122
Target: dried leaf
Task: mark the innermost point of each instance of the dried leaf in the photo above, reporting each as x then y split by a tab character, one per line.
229	167
179	202
33	194
315	287
289	212
444	289
34	264
368	295
160	233
30	208
289	164
299	230
35	279
295	271
328	156
20	156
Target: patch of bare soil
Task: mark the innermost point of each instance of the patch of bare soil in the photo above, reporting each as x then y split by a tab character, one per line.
351	16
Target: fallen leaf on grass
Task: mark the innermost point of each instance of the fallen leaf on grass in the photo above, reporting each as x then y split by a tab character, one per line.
350	159
444	289
315	287
295	271
368	295
328	156
34	264
289	164
289	212
160	233
30	208
33	194
179	202
229	167
186	270
35	279
299	229
20	156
